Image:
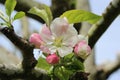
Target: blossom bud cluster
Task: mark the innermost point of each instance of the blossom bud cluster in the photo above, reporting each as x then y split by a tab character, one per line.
61	38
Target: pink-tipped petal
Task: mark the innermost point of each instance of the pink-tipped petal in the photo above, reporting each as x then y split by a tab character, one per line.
45	49
46	34
59	26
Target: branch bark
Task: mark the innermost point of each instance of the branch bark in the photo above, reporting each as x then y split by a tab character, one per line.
111	12
109	67
10	72
106	69
58	8
29	61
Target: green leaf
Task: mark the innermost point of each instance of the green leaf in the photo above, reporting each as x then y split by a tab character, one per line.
62	73
3	24
49	13
19	15
43	64
2	16
41	13
9	6
68	57
76	16
77	64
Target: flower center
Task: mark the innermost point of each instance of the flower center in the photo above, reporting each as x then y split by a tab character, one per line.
58	42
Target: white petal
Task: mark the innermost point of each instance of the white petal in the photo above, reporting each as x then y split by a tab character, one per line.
59	26
63	51
71	37
71	41
83	38
52	48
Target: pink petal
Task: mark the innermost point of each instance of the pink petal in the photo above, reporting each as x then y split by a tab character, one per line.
45	49
46	34
59	26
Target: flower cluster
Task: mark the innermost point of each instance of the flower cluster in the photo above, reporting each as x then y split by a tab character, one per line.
60	39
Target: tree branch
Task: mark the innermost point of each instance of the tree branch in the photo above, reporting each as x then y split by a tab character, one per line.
58	8
29	61
106	69
112	67
101	26
8	72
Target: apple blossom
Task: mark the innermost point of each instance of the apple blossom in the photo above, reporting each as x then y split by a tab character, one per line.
60	37
82	49
52	59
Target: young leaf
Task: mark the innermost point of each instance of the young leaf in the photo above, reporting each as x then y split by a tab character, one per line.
62	73
49	13
41	13
76	16
77	65
9	6
43	64
68	57
19	15
3	24
2	16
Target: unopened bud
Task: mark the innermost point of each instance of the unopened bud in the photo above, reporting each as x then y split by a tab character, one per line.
52	59
82	49
36	39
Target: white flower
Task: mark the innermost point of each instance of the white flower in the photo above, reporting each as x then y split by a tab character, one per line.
60	37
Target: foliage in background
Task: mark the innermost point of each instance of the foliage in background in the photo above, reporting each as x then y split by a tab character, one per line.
9	7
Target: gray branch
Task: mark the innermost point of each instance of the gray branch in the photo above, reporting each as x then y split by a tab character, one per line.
106	69
29	62
111	12
8	72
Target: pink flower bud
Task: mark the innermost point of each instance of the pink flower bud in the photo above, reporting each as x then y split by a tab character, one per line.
36	39
52	59
82	49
